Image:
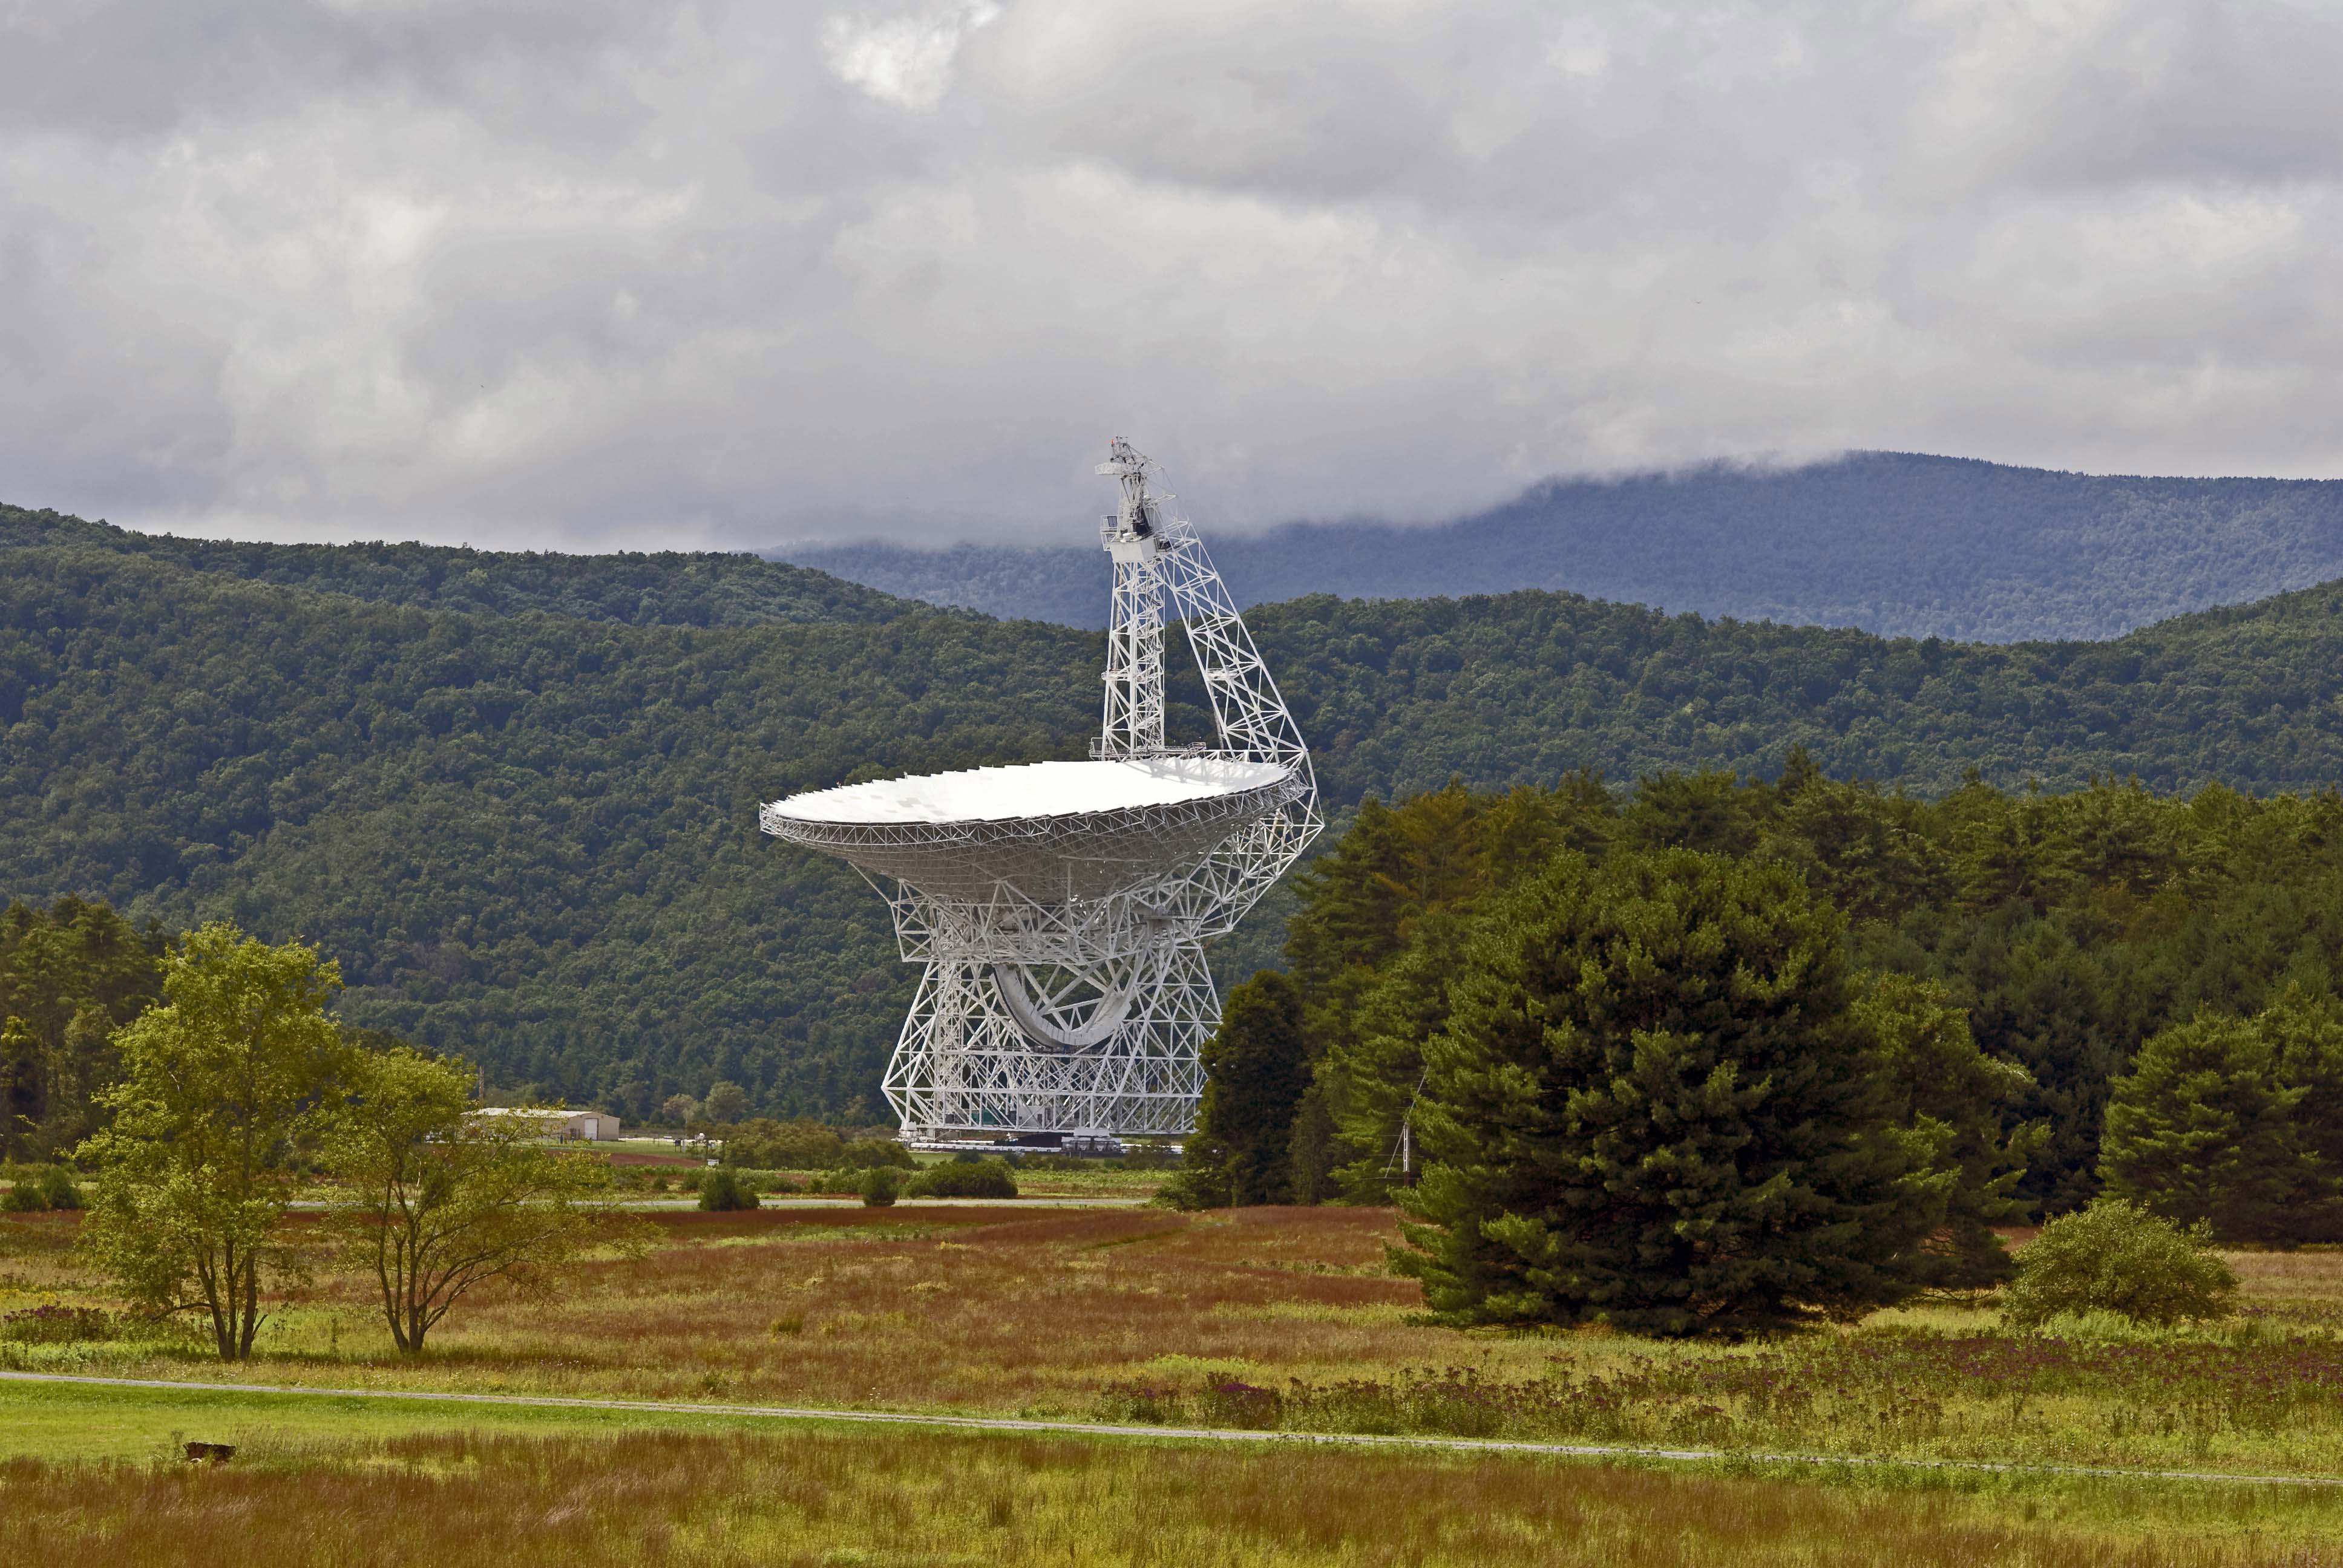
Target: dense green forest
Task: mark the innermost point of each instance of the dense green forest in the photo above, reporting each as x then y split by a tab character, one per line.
1891	542
2068	929
528	833
668	587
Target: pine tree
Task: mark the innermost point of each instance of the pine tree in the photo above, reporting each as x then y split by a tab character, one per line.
2305	1032
1654	1106
1957	1099
2204	1127
1255	1073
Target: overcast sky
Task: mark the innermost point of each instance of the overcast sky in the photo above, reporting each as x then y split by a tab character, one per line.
595	272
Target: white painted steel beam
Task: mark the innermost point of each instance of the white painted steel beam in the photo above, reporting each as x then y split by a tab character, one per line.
1061	909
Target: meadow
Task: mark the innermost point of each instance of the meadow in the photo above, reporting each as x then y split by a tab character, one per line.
486	1494
1263	1318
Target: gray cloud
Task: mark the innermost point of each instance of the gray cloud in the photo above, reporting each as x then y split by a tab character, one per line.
642	272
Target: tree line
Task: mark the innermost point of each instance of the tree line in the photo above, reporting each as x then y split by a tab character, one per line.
1974	1009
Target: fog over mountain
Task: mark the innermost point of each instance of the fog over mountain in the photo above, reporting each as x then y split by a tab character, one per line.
1894	543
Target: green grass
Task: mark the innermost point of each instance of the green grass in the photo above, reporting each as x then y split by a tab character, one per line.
75	1421
326	1483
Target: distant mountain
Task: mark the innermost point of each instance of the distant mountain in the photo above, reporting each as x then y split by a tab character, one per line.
1891	542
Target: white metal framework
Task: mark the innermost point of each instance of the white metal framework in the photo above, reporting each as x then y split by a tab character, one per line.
1061	907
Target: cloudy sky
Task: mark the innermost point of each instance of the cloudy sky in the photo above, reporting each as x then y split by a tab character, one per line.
598	271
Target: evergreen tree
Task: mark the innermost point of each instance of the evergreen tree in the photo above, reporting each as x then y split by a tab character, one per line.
2199	1130
1370	1074
1956	1100
1654	1106
2305	1031
2205	1129
1255	1073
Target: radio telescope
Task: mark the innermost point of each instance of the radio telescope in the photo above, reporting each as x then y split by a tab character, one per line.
1061	908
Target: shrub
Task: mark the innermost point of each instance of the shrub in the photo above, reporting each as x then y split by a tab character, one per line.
785	1146
55	1325
1202	1188
24	1198
977	1179
2116	1257
878	1186
57	1189
722	1192
866	1154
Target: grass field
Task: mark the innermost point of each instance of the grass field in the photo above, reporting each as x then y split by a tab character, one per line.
1279	1319
490	1494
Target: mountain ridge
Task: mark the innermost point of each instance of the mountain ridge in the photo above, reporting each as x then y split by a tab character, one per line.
632	587
1897	544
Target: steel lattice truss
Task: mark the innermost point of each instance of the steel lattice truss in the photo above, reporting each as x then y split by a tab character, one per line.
1065	987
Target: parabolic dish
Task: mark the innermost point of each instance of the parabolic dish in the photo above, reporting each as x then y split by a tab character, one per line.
1051	829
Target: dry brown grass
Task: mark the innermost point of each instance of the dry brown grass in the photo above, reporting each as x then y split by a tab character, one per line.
928	1498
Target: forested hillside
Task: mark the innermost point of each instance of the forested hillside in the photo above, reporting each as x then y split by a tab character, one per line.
668	587
531	836
1890	542
2064	929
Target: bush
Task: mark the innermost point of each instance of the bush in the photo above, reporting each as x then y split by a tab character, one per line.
1191	1191
55	1325
975	1179
36	1188
785	1146
57	1189
722	1190
869	1153
2116	1257
878	1185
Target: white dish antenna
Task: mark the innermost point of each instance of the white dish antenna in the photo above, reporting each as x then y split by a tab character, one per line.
1061	909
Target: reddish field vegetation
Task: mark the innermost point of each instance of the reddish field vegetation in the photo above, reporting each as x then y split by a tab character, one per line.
1260	1318
1006	1503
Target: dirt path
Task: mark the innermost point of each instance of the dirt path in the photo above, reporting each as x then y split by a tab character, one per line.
1183	1433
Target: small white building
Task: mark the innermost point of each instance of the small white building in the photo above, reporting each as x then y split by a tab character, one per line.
553	1121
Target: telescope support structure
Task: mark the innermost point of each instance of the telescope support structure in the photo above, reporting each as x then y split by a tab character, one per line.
1088	1014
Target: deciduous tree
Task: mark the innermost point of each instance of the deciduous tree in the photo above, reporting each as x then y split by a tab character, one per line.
221	1086
441	1202
727	1103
